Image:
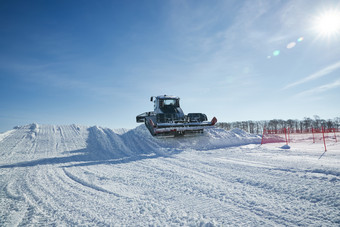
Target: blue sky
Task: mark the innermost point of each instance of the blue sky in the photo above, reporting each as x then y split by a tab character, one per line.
98	62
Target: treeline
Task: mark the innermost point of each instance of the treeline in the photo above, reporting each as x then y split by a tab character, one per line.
305	125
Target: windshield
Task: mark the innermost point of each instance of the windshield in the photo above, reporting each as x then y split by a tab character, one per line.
170	102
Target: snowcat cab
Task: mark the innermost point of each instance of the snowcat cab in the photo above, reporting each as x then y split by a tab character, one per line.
168	118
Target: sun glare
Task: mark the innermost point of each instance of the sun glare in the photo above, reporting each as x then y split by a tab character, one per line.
328	23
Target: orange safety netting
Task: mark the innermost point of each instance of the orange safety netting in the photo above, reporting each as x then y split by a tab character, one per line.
287	136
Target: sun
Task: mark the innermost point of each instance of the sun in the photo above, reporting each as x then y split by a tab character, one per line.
328	23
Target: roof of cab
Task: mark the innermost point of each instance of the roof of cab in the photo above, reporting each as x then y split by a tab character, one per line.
167	97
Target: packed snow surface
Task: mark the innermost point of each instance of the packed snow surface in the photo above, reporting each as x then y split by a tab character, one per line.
75	175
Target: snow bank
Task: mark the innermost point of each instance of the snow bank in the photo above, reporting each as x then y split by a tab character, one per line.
103	143
138	141
5	134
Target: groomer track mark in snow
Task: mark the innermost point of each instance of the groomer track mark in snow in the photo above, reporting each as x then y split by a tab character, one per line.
76	175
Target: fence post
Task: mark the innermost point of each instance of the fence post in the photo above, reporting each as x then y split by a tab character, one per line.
313	135
286	135
264	129
335	135
323	135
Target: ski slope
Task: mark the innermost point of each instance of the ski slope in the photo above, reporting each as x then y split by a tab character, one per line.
75	175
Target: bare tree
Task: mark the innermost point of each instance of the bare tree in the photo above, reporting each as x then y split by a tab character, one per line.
304	125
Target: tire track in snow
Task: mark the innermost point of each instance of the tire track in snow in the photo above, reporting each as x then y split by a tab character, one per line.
13	142
48	199
196	196
87	184
85	204
11	204
247	203
63	196
39	197
33	186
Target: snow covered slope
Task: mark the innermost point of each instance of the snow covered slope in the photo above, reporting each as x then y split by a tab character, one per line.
75	175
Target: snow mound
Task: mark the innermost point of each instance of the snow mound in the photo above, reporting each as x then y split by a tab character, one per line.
138	141
103	143
286	147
